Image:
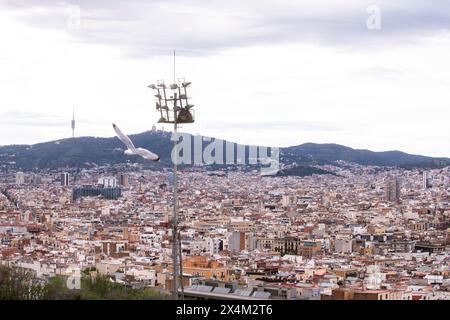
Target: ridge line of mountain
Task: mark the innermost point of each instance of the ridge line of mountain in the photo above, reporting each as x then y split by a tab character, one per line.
84	151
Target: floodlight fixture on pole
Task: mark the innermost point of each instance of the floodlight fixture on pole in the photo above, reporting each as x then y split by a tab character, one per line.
172	102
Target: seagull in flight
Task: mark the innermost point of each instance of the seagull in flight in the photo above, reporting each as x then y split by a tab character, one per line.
131	149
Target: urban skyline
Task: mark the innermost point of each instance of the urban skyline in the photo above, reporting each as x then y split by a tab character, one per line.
247	151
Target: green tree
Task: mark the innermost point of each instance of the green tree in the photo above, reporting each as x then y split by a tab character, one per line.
20	284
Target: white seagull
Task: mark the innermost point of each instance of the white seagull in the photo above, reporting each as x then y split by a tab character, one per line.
132	150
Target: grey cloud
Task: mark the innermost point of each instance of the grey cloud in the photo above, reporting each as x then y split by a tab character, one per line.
25	118
380	72
196	27
273	125
35	119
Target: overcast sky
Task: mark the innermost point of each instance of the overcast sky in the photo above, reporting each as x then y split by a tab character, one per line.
366	74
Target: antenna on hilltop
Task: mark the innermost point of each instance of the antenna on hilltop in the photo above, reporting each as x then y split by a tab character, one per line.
73	122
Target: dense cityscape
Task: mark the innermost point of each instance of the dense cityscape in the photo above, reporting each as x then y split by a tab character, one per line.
208	159
363	232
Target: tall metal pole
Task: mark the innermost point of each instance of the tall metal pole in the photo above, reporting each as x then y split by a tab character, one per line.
175	202
181	265
180	253
186	117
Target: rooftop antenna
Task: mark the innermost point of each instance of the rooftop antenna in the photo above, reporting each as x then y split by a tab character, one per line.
73	122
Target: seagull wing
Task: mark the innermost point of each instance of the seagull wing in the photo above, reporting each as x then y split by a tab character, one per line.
124	138
146	154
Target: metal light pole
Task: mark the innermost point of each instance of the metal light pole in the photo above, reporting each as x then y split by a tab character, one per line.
182	113
175	202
